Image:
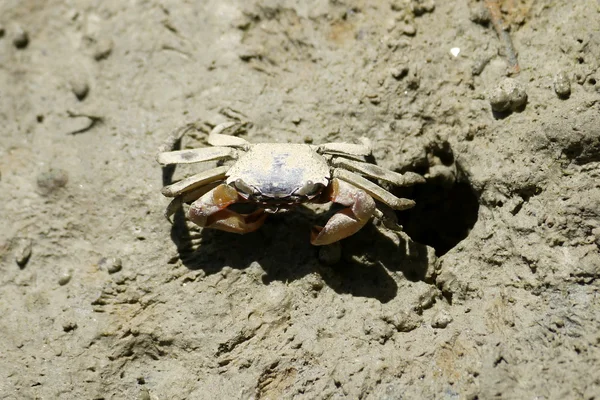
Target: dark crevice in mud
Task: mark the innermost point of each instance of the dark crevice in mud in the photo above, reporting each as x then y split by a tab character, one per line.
444	214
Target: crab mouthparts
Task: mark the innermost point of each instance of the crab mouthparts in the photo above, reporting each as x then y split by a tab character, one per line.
282	201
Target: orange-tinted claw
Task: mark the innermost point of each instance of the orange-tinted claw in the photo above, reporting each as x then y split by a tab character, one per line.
230	221
210	211
348	221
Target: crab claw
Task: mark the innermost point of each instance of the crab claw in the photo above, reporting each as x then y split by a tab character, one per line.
344	223
210	211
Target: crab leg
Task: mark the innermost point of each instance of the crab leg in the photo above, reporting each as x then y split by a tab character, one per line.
360	208
216	138
195	181
210	211
375	171
346	149
195	155
376	191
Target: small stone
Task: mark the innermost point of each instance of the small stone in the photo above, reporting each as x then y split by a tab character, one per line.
508	95
441	319
330	254
79	86
559	322
2	31
499	100
427	299
408	29
562	85
51	180
399	72
69	326
103	49
420	7
403	321
20	38
448	283
64	278
115	266
378	329
110	264
23	253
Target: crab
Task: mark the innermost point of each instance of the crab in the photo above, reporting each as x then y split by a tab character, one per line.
279	176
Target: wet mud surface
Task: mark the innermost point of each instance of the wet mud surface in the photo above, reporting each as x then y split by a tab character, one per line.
491	291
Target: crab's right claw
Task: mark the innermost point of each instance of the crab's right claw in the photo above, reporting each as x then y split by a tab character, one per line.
210	211
348	221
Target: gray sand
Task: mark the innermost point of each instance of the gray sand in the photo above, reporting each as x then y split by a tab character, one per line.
491	292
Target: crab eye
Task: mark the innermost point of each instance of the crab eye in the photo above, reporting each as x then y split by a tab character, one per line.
241	186
309	188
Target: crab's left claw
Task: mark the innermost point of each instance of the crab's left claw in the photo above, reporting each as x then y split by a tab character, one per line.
210	211
344	223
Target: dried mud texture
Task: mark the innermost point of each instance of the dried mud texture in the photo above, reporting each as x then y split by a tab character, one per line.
495	296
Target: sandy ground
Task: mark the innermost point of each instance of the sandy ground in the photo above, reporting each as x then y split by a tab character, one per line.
495	296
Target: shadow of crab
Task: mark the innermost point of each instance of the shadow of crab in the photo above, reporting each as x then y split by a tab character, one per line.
283	250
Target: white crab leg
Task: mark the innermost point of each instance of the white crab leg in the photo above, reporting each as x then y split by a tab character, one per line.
349	149
195	155
216	138
195	181
175	136
375	171
376	191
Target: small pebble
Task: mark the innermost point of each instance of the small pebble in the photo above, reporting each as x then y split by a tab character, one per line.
64	278
421	7
2	31
79	86
110	264
403	321
428	299
330	254
20	38
52	179
408	30
562	85
559	322
441	319
103	49
499	100
69	326
399	72
508	95
23	253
